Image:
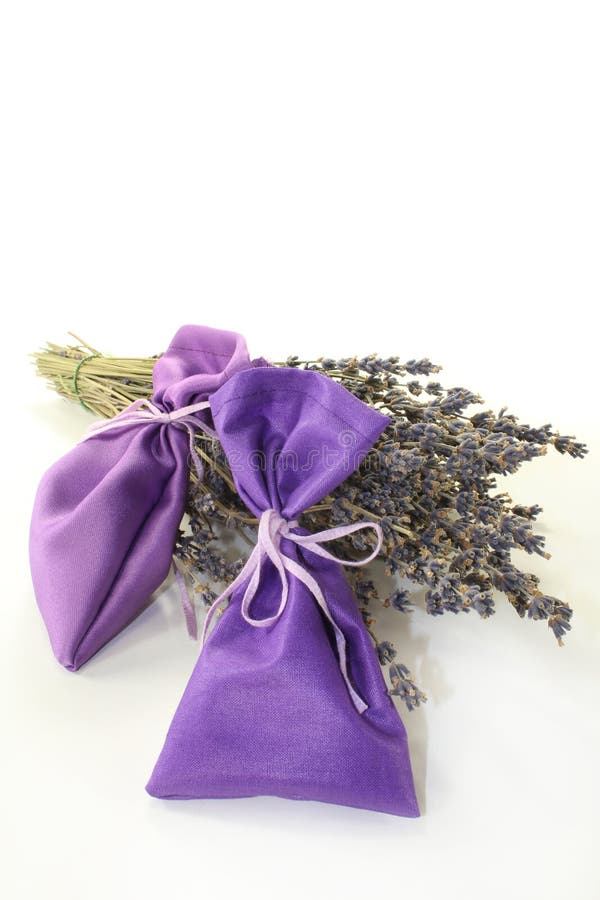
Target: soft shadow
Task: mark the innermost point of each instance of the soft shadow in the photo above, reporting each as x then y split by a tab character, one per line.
130	648
409	634
273	813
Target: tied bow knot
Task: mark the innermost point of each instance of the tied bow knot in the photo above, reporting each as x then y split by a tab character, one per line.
272	528
143	412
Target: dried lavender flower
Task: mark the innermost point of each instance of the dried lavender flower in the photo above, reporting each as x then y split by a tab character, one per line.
404	687
400	600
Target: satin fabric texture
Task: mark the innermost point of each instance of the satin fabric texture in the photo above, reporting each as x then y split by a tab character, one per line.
105	516
266	710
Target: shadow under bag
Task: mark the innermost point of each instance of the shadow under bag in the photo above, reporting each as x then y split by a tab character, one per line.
287	697
105	516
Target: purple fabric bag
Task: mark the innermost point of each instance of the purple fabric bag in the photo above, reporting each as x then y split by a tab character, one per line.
268	709
105	516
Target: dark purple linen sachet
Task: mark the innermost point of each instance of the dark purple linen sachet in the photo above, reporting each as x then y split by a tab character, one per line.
105	516
267	709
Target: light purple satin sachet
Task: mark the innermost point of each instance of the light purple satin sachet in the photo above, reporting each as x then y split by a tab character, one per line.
105	516
287	697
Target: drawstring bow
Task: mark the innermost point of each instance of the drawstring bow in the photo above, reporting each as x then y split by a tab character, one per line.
272	528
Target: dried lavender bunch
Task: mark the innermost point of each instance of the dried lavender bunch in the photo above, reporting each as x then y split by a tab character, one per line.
433	486
431	483
105	385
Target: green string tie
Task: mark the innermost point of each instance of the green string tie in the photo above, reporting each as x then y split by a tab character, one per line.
76	373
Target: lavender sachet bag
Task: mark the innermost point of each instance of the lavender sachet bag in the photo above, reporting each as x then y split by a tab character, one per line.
105	516
287	697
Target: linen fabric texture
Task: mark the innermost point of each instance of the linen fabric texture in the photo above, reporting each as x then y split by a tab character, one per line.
105	516
266	710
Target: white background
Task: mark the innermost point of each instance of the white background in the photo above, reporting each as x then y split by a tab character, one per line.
411	178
